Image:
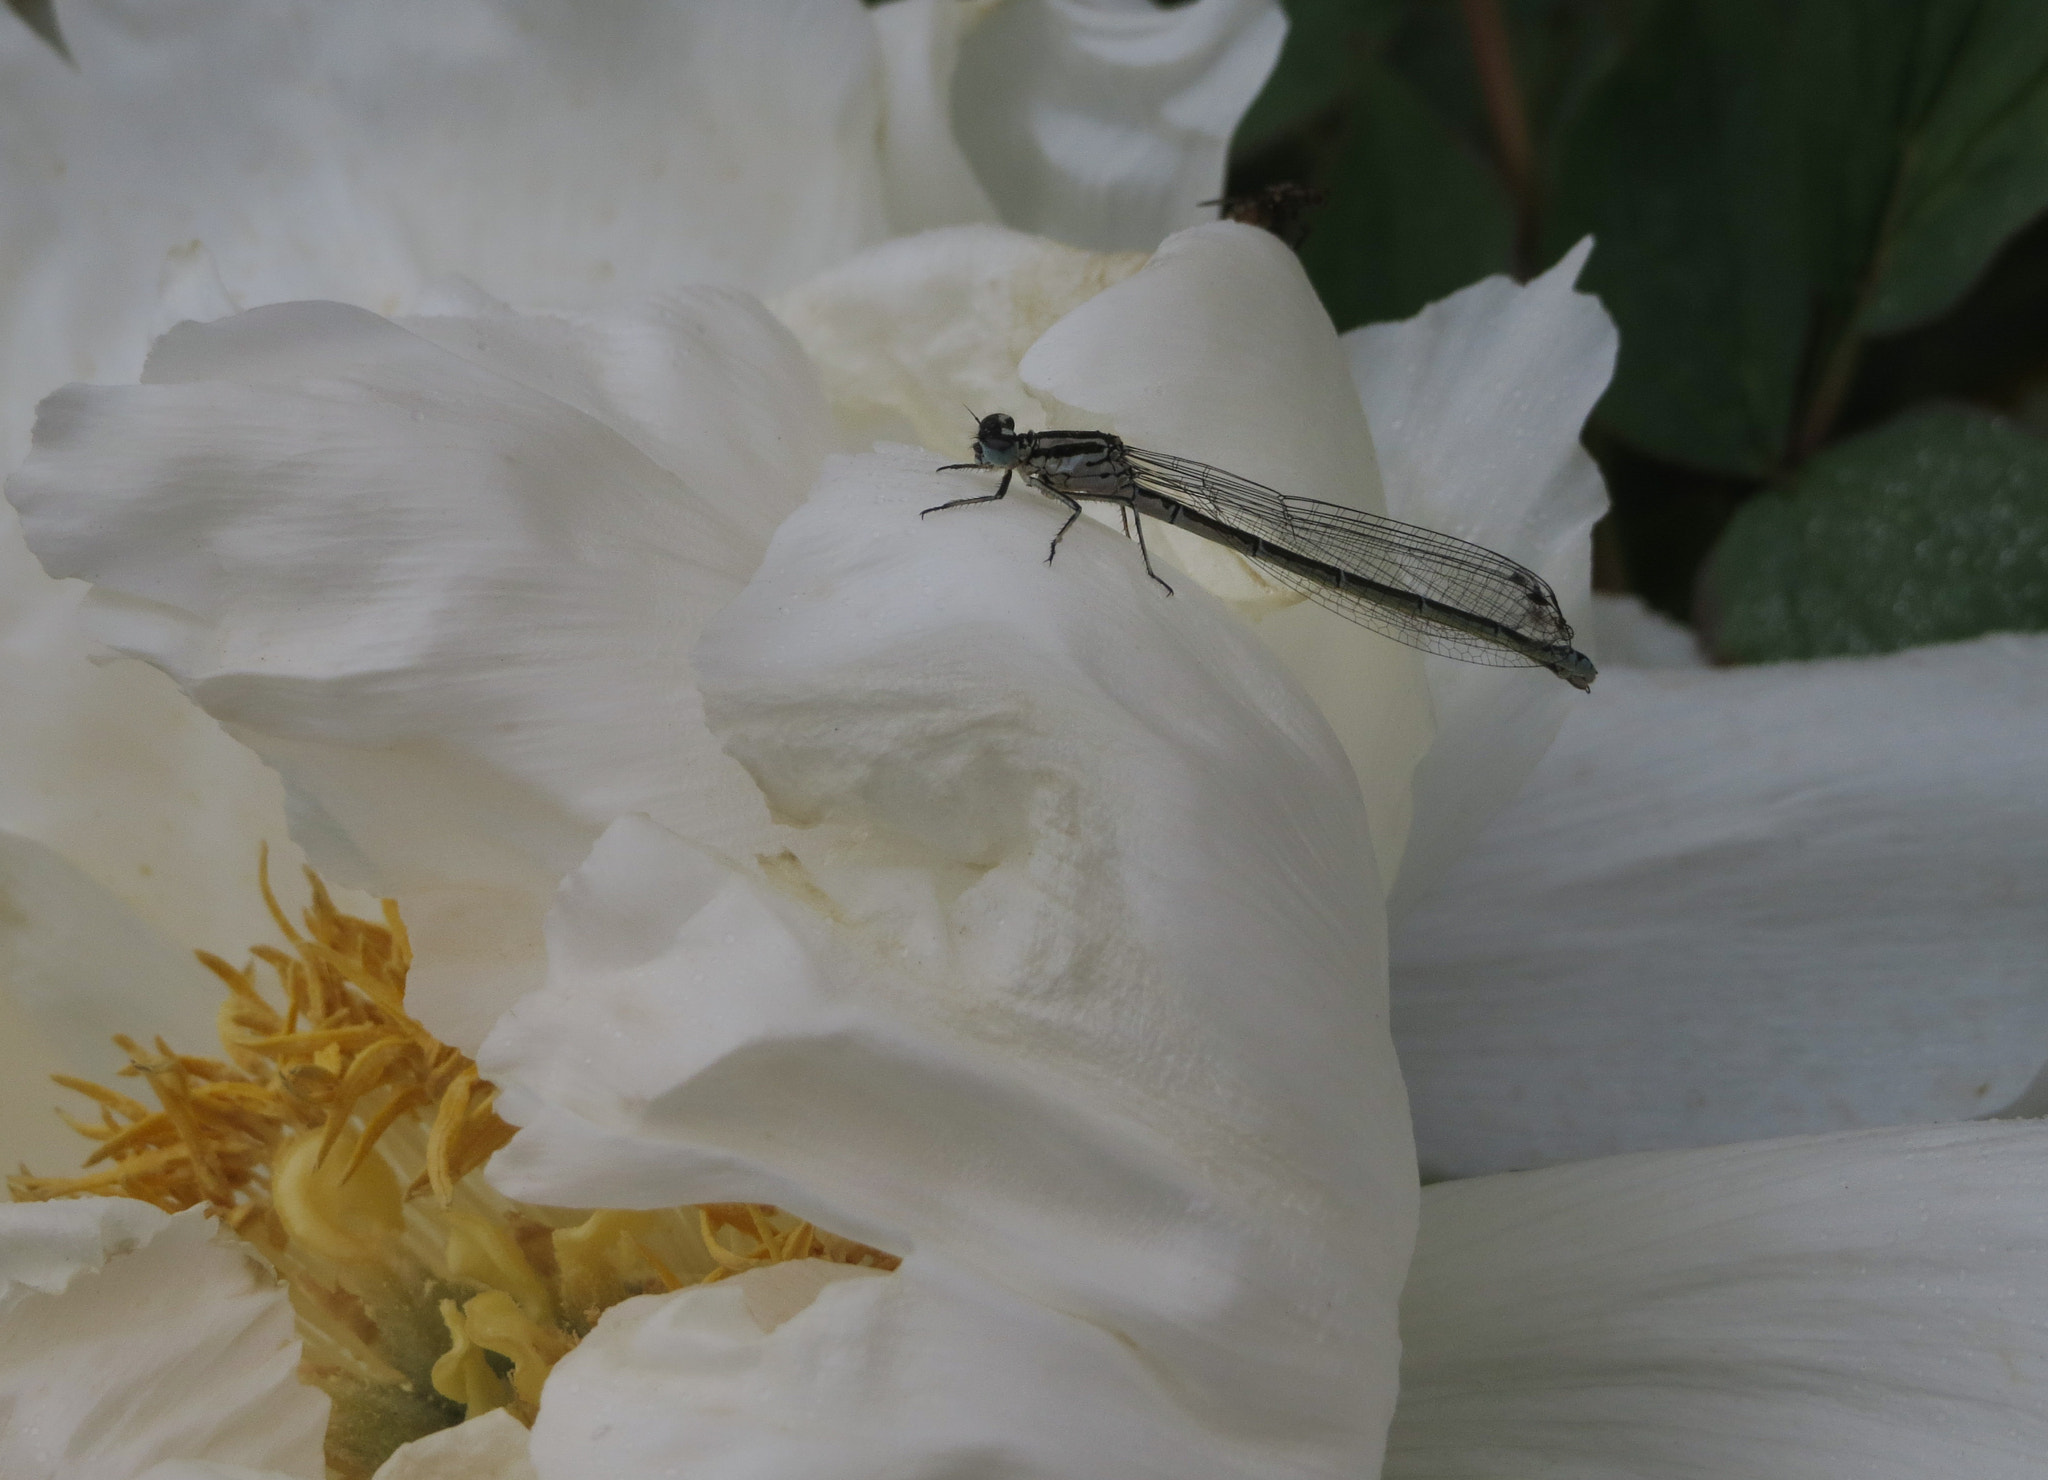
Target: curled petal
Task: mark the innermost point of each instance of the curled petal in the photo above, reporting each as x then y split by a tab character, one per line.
1104	123
1219	350
1476	405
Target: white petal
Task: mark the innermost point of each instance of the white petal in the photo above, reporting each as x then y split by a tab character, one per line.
493	1447
129	832
449	595
1476	405
1628	633
356	152
1736	903
107	764
911	334
1104	123
1871	1306
927	179
31	1135
1071	988
78	965
923	1373
45	1246
128	1338
1219	350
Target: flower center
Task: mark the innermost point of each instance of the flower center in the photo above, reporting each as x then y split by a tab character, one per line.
340	1139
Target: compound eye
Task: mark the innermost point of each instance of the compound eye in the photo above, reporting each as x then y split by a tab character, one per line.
1005	423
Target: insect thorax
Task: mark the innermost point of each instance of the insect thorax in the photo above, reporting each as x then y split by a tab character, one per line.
1081	466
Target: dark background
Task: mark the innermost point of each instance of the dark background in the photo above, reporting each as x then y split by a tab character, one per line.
1819	226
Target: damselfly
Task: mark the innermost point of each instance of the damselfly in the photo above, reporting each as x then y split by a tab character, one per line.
1428	590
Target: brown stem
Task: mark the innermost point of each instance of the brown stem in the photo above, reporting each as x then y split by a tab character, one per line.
1494	61
1837	372
1830	389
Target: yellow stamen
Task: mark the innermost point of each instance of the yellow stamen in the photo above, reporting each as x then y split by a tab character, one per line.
669	1279
496	1323
485	1251
332	1110
463	1373
345	1221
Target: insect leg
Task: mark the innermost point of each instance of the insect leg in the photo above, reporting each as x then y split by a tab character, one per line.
986	498
1145	554
1075	513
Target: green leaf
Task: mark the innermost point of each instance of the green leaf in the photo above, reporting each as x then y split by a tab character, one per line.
1412	213
1326	39
1680	166
1931	528
1560	49
1926	130
1773	181
1990	348
40	16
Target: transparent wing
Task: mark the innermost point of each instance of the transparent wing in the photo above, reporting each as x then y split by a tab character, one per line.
1470	579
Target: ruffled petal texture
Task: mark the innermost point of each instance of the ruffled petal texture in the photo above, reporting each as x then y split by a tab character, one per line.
1476	405
910	335
1736	903
445	577
1104	123
130	1338
1871	1306
228	154
1009	1005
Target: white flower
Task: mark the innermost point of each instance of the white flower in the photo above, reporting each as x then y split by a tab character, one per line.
387	156
1032	927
